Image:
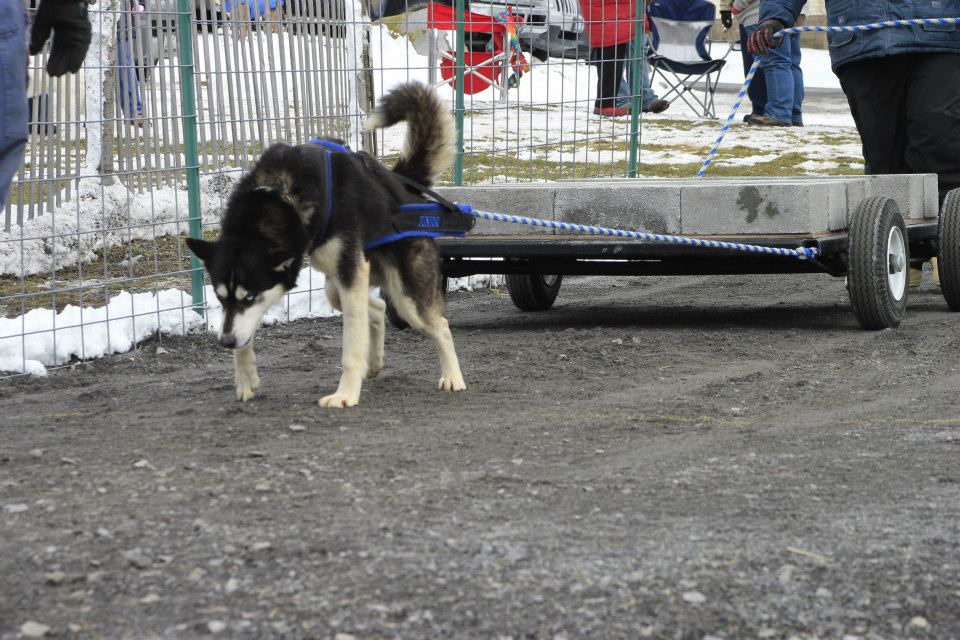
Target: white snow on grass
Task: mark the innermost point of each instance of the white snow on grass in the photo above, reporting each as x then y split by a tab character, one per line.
99	215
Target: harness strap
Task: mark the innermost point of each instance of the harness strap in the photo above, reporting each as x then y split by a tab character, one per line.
413	220
328	186
326	169
430	193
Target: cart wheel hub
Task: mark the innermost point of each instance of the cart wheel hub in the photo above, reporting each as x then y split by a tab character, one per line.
897	261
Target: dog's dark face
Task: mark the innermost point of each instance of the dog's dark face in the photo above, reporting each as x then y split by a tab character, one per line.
250	268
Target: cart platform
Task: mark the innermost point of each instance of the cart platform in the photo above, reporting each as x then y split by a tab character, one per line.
591	255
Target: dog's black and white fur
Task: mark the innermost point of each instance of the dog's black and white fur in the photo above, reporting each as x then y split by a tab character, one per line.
274	217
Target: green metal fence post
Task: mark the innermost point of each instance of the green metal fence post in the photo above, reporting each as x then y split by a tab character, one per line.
636	88
458	106
188	108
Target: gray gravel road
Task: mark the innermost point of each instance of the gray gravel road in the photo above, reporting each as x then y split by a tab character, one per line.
689	458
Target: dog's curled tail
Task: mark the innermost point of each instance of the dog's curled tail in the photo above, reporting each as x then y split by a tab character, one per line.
428	148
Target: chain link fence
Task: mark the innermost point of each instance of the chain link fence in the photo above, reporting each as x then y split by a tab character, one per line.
178	97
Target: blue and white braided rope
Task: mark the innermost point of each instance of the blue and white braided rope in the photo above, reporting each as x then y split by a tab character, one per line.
801	253
792	30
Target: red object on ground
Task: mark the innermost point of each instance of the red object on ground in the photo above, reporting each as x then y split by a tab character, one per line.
473	66
479	71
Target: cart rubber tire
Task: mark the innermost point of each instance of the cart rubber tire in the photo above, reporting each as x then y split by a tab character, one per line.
394	317
875	228
948	259
533	291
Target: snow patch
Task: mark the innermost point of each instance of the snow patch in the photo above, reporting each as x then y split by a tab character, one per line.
43	338
99	215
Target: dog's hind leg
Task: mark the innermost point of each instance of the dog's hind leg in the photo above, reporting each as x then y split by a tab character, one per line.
377	321
354	299
429	321
245	372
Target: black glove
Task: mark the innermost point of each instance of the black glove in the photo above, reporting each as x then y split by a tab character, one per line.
71	34
726	19
762	40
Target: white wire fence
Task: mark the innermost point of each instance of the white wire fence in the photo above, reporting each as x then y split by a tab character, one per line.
91	253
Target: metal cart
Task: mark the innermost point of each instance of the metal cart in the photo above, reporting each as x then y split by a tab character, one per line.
874	254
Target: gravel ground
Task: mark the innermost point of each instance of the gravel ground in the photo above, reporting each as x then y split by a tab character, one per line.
716	457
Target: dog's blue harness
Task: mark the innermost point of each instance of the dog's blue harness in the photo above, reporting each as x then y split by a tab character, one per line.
435	218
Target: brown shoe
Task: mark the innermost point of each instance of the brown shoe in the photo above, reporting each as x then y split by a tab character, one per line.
767	121
657	106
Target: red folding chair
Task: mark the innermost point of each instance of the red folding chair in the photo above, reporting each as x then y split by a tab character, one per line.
481	69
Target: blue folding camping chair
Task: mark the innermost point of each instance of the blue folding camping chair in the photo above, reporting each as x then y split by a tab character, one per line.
679	52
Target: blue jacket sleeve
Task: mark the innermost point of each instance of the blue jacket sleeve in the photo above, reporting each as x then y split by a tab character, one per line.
784	10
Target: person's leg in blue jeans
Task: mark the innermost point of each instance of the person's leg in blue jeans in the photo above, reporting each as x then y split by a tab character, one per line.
781	81
758	88
13	92
127	79
648	95
797	114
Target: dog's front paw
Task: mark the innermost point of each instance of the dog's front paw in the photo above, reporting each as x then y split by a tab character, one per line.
452	383
246	392
247	386
339	401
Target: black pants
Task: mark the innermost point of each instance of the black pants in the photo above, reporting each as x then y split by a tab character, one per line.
758	88
907	110
610	61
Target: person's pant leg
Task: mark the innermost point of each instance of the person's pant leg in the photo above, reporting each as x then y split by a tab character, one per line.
609	61
876	91
624	94
933	118
13	92
648	96
128	83
797	114
778	71
758	88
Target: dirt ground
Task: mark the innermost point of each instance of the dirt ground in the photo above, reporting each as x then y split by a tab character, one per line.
676	458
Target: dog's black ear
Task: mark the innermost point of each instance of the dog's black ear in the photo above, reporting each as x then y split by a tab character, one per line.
203	249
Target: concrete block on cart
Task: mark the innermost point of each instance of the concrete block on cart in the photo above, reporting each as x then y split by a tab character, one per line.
528	200
915	194
637	206
716	207
857	190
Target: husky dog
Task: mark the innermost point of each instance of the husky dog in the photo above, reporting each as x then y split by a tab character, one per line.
329	206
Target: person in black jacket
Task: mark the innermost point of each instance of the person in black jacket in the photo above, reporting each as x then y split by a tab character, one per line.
69	24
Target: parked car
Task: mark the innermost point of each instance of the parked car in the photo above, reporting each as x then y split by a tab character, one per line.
551	28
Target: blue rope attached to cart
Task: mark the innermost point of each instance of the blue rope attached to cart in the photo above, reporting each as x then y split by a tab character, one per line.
801	253
785	32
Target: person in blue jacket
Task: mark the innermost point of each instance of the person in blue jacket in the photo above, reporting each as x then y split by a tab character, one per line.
902	83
